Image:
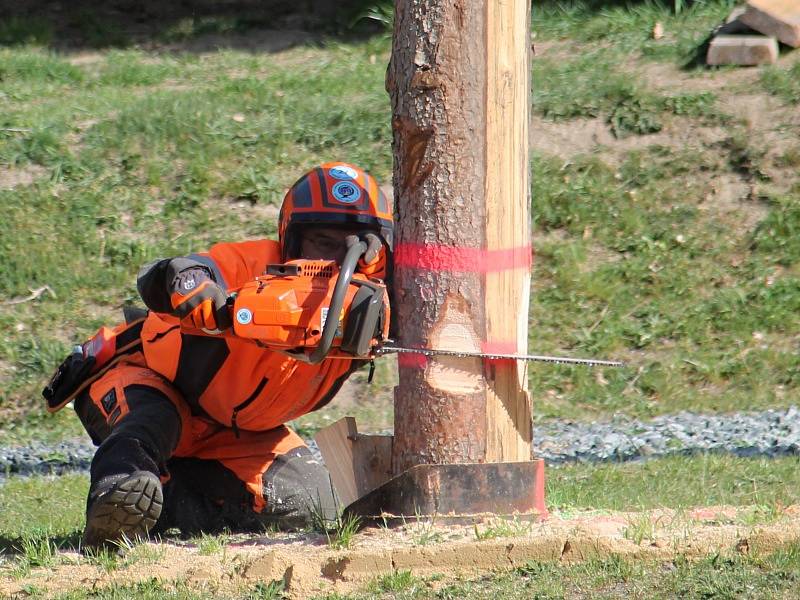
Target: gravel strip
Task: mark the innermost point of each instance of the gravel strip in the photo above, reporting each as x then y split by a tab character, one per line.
767	433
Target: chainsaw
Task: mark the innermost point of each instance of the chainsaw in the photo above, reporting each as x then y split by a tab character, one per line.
314	309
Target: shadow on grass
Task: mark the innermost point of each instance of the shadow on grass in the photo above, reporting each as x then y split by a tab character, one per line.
188	26
14	545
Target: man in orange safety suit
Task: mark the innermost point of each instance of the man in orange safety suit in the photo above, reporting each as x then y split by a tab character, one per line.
191	428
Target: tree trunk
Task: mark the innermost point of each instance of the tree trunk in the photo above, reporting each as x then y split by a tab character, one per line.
460	89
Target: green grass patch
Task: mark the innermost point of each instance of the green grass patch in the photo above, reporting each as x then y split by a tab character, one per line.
42	506
157	589
783	82
593	85
629	25
675	482
638	270
583	87
32	65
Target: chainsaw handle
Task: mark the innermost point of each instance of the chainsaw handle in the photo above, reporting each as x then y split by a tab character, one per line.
346	272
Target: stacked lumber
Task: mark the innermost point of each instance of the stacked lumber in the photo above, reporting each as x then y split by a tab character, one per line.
751	34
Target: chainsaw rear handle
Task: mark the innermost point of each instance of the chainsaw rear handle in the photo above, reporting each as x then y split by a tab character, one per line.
346	272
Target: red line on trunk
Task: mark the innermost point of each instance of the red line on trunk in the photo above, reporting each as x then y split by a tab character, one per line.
437	257
499	347
412	361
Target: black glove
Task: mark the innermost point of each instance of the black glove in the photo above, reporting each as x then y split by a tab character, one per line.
69	376
373	262
195	297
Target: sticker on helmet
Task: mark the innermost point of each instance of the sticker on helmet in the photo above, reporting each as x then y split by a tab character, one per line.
343	172
346	192
244	316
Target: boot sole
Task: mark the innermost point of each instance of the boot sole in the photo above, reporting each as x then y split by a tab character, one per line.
129	509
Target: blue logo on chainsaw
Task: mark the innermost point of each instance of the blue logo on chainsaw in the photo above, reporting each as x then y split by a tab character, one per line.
346	192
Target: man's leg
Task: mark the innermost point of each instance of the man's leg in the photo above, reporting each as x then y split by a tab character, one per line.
247	483
138	428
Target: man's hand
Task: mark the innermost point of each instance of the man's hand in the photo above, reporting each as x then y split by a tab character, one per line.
195	297
373	262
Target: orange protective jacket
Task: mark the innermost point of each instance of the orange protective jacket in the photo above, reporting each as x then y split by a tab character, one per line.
232	380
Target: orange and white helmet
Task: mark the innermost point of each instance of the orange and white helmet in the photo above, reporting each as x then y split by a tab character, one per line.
332	194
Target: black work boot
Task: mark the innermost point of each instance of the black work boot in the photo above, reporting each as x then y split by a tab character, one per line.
122	506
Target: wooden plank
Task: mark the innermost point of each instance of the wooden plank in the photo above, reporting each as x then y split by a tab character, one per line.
358	463
336	448
743	50
775	18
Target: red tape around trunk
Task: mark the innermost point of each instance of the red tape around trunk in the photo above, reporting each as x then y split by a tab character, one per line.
436	257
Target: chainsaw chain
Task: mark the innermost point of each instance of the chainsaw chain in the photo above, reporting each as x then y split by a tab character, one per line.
559	360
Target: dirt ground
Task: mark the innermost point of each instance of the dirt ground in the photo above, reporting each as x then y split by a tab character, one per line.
769	124
308	566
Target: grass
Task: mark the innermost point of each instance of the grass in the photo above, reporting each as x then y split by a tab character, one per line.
640	529
156	589
499	528
783	82
339	531
675	482
137	155
44	507
641	270
626	27
208	545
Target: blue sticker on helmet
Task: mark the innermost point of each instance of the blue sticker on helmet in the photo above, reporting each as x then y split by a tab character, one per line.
343	172
346	192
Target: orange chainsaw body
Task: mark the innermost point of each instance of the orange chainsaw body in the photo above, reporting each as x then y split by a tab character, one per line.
287	308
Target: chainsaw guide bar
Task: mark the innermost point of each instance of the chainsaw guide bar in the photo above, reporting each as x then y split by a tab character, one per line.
559	360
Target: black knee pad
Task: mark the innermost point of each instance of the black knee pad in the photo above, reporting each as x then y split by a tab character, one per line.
298	487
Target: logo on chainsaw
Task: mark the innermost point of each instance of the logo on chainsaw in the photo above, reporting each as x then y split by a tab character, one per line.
346	192
189	284
244	316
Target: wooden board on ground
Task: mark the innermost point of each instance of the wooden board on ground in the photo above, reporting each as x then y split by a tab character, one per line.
776	18
357	462
743	50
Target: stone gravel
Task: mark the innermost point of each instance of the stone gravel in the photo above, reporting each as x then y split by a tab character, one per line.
767	433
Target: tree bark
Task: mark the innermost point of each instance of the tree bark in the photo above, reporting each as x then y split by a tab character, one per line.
460	88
